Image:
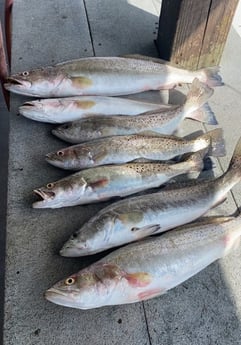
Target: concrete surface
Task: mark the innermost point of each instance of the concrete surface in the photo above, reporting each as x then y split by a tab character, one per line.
204	310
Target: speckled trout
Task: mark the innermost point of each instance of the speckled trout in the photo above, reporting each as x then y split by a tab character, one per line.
138	217
149	268
104	182
123	149
61	110
105	76
160	121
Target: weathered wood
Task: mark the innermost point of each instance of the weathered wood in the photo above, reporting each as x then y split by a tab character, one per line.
193	33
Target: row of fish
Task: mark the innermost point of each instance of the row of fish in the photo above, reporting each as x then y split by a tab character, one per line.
120	155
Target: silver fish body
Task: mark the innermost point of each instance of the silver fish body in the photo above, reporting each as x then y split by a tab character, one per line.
161	121
101	183
138	217
61	110
108	76
123	149
148	268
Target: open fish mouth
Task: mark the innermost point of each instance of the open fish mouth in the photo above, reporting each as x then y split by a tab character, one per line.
44	195
14	82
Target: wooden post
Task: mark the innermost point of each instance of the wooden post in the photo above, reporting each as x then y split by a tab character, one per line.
193	33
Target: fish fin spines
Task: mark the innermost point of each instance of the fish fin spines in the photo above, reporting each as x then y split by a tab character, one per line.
198	94
210	76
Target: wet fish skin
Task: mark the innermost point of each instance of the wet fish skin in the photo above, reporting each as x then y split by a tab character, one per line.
104	182
159	121
150	267
61	110
138	217
107	76
123	149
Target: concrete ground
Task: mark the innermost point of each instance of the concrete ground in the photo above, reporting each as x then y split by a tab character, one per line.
204	310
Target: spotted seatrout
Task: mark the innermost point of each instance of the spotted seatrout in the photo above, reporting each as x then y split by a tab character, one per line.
137	217
104	182
149	268
105	76
123	149
160	121
61	110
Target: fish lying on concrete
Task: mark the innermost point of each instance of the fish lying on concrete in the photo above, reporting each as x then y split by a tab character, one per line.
123	149
137	217
104	182
105	76
61	110
160	121
149	268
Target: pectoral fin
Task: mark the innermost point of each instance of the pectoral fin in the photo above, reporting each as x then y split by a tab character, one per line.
99	183
81	82
138	279
84	104
146	230
131	218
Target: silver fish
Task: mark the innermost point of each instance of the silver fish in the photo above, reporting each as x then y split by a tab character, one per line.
148	268
160	121
61	110
104	182
105	76
123	149
138	217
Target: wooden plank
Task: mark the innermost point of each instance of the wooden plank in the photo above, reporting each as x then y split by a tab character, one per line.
218	25
193	33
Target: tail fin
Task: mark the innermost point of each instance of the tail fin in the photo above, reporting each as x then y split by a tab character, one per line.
197	96
210	76
216	141
235	163
196	160
204	114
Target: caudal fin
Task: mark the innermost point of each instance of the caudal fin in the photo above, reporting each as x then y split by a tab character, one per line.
235	163
196	97
204	114
216	147
210	76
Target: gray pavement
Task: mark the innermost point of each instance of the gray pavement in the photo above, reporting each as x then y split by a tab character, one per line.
204	310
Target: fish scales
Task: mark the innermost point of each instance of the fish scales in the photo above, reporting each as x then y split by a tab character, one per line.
150	267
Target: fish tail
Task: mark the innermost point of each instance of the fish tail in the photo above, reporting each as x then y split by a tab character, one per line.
198	95
196	161
210	76
204	114
235	163
216	146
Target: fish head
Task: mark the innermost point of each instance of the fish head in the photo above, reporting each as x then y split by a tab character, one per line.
67	132
45	110
39	82
103	231
66	158
92	287
59	194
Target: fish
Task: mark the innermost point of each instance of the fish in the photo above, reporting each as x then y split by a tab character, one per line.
158	121
123	149
61	110
105	182
134	218
105	76
149	268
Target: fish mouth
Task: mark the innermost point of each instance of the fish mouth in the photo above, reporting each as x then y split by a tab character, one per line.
56	296
45	197
14	82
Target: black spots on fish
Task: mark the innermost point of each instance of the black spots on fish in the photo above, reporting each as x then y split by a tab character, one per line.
37	331
119	321
17	272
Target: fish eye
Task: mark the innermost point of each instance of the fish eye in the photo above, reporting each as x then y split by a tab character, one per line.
50	185
69	281
60	153
25	73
